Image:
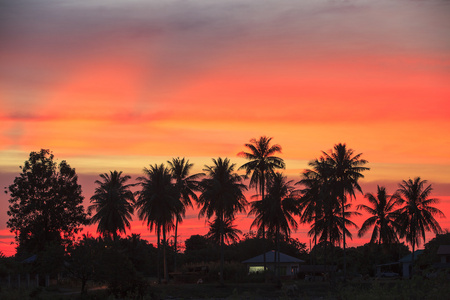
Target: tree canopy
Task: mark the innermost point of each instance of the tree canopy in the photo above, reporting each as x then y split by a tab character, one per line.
45	203
113	203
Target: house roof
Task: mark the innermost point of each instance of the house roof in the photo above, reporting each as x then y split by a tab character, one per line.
443	250
408	258
284	258
30	259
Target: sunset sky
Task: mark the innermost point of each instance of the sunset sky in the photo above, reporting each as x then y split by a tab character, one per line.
119	85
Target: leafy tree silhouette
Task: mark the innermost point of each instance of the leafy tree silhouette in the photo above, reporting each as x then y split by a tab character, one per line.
46	204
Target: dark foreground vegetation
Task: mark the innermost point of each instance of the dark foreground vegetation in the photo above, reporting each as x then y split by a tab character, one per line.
415	288
46	214
127	268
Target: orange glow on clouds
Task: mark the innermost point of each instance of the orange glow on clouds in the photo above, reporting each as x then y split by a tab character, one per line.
134	84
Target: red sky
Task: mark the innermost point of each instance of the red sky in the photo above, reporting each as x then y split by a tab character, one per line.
120	85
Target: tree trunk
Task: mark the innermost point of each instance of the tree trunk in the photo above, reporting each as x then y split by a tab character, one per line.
166	273
412	260
175	246
343	236
158	256
277	255
83	286
221	250
262	187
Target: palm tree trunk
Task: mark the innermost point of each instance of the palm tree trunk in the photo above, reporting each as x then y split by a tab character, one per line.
277	264
412	260
166	273
175	246
221	250
262	187
275	254
343	236
158	256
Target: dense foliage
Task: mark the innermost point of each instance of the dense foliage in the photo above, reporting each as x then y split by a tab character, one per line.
46	204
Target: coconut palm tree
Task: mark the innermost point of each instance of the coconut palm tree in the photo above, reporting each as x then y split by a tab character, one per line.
230	232
315	192
277	210
382	211
222	195
328	225
113	202
187	186
346	169
159	204
417	215
262	165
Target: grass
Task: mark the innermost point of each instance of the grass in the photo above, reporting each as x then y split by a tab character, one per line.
416	288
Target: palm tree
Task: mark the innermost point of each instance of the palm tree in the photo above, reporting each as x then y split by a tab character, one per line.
346	168
382	217
187	185
277	210
262	165
222	195
328	225
417	215
113	202
315	194
159	204
230	232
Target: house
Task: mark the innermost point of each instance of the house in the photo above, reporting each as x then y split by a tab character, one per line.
406	262
444	253
403	266
288	265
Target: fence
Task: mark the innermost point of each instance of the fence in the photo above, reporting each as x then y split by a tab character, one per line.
25	280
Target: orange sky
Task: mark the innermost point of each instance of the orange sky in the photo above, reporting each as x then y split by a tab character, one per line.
120	85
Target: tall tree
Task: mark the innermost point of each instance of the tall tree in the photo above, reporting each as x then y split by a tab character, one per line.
346	168
328	225
417	214
113	202
277	210
262	165
46	203
187	185
382	211
230	232
315	193
158	204
222	195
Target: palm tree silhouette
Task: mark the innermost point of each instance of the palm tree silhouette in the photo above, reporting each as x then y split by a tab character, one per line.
346	168
221	196
159	204
113	202
382	211
187	185
329	224
417	215
315	194
262	165
277	210
230	232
